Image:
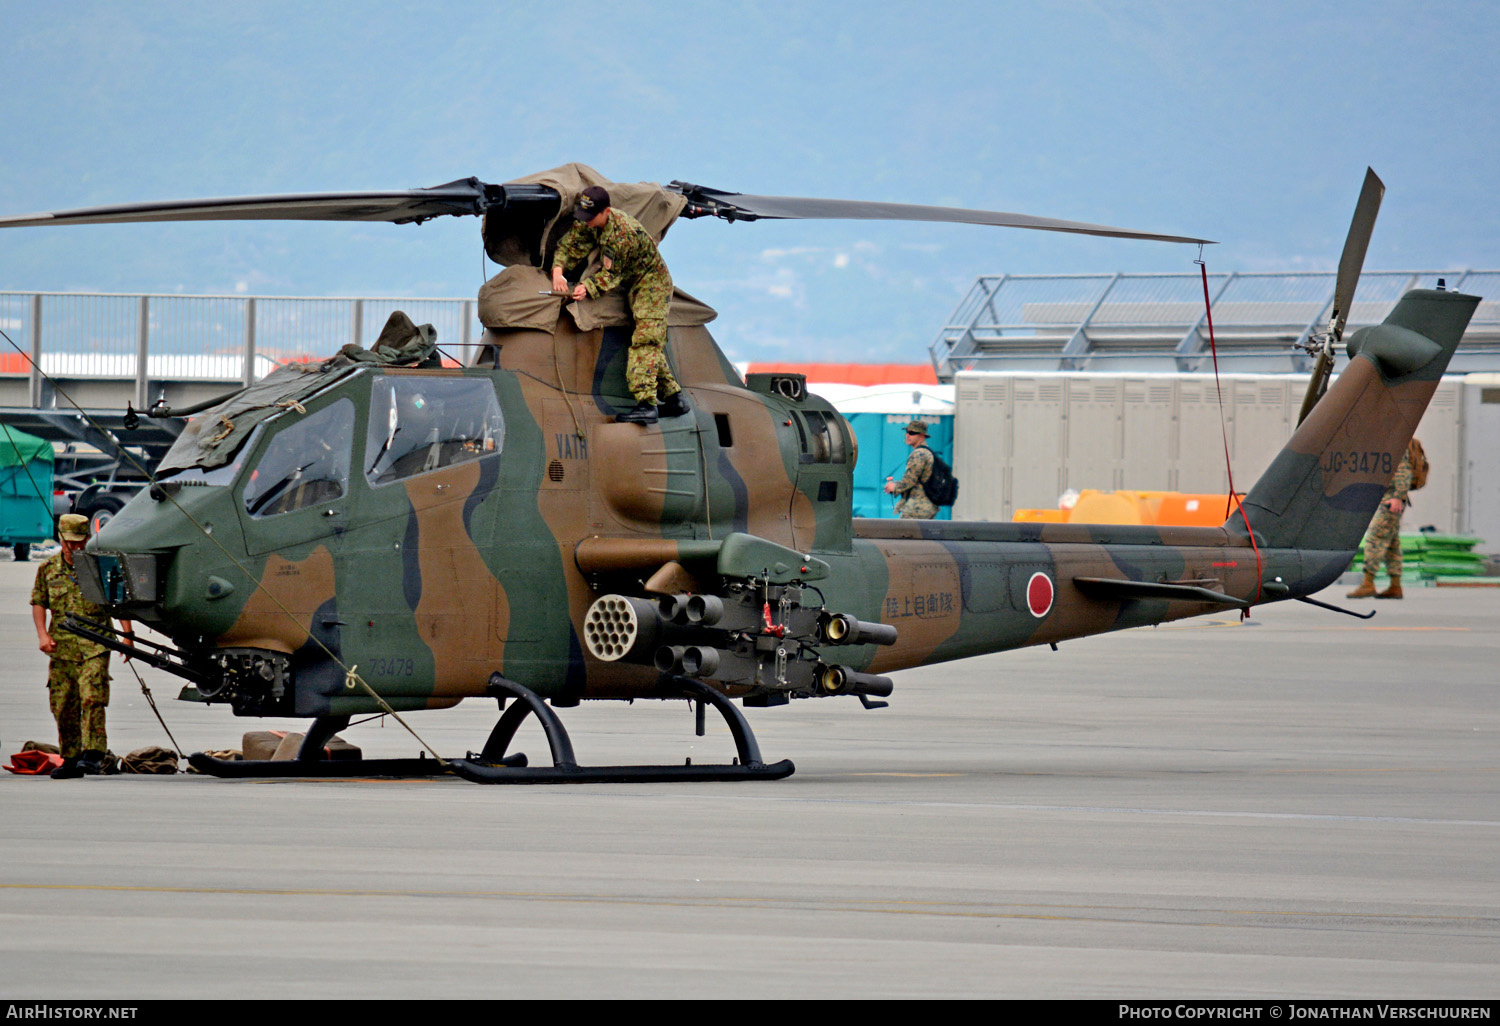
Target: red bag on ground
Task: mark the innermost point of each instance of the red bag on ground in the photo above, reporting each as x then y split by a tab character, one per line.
33	763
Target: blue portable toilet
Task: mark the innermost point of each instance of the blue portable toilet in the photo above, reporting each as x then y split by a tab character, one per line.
25	490
879	415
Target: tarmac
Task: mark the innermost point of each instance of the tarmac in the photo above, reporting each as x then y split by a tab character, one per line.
1298	806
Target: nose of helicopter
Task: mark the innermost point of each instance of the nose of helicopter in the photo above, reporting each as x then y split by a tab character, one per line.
160	557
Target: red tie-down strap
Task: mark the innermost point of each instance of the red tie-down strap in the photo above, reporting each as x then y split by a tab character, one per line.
1208	312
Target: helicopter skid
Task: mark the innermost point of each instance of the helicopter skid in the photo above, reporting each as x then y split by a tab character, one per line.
494	766
284	768
688	773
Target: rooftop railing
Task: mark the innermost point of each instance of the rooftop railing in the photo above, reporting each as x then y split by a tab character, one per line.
1159	322
167	337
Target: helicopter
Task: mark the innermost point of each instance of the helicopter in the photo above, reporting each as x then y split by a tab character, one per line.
379	533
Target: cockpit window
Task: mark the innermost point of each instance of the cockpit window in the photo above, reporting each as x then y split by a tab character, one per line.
305	464
421	423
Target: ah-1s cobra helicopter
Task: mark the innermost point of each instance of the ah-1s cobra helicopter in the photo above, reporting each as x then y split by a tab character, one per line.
378	533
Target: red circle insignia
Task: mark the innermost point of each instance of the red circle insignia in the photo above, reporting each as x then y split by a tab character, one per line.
1039	594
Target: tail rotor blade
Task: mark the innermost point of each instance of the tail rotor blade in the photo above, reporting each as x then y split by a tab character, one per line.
1353	258
1351	262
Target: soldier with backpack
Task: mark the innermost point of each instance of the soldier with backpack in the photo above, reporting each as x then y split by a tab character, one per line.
1383	540
928	481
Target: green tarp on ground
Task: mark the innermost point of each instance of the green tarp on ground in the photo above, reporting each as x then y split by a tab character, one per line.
1433	555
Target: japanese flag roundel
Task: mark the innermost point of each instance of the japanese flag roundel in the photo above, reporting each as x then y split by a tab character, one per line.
1039	592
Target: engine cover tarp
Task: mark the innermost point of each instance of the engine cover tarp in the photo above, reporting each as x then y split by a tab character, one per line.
513	299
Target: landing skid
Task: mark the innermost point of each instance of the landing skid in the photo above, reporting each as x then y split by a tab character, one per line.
493	766
311	763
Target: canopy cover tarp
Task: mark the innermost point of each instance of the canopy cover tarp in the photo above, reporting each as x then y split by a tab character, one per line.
512	299
212	438
18	448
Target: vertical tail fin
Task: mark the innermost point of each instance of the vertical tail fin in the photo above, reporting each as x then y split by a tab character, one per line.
1323	487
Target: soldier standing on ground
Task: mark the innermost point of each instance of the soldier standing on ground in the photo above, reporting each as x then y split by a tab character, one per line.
78	679
630	261
913	503
1383	540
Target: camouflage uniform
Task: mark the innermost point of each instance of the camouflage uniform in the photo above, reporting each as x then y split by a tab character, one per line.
78	679
913	503
1383	539
632	261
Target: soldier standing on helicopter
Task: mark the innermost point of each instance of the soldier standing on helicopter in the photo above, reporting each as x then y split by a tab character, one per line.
630	261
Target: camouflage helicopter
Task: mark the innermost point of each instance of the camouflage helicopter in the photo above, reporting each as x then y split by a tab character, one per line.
379	533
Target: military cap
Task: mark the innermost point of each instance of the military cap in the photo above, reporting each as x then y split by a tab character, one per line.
73	527
917	426
593	200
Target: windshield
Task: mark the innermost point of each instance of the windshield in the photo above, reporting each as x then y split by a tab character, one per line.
305	464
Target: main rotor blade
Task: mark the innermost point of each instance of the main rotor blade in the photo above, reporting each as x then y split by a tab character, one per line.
1353	258
465	196
736	206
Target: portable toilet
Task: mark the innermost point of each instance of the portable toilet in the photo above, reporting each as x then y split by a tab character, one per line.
879	415
25	490
879	400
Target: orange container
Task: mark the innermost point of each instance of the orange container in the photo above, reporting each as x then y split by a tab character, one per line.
1185	510
1174	509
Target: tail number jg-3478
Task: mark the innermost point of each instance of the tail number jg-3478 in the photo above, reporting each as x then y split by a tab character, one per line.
1357	462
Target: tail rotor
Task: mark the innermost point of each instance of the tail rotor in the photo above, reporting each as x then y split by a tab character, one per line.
1350	264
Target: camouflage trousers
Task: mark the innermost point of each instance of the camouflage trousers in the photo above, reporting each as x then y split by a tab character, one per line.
646	371
79	692
1383	543
916	506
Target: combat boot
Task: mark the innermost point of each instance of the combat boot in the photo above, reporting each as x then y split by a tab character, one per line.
68	770
1394	591
673	405
90	762
1366	587
644	413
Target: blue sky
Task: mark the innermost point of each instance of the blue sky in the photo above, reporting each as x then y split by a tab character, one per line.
1247	123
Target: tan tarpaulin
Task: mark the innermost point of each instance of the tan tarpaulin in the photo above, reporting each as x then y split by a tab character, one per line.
513	299
647	202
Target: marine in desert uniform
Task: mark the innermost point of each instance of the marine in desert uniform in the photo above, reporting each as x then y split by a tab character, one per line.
1383	539
912	502
78	677
629	260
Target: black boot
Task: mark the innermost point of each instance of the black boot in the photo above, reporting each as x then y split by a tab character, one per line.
91	763
68	770
644	413
674	405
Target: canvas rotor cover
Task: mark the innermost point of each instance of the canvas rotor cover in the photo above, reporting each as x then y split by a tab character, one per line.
656	208
512	299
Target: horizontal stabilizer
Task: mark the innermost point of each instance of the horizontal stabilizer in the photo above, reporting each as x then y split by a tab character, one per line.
1112	588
